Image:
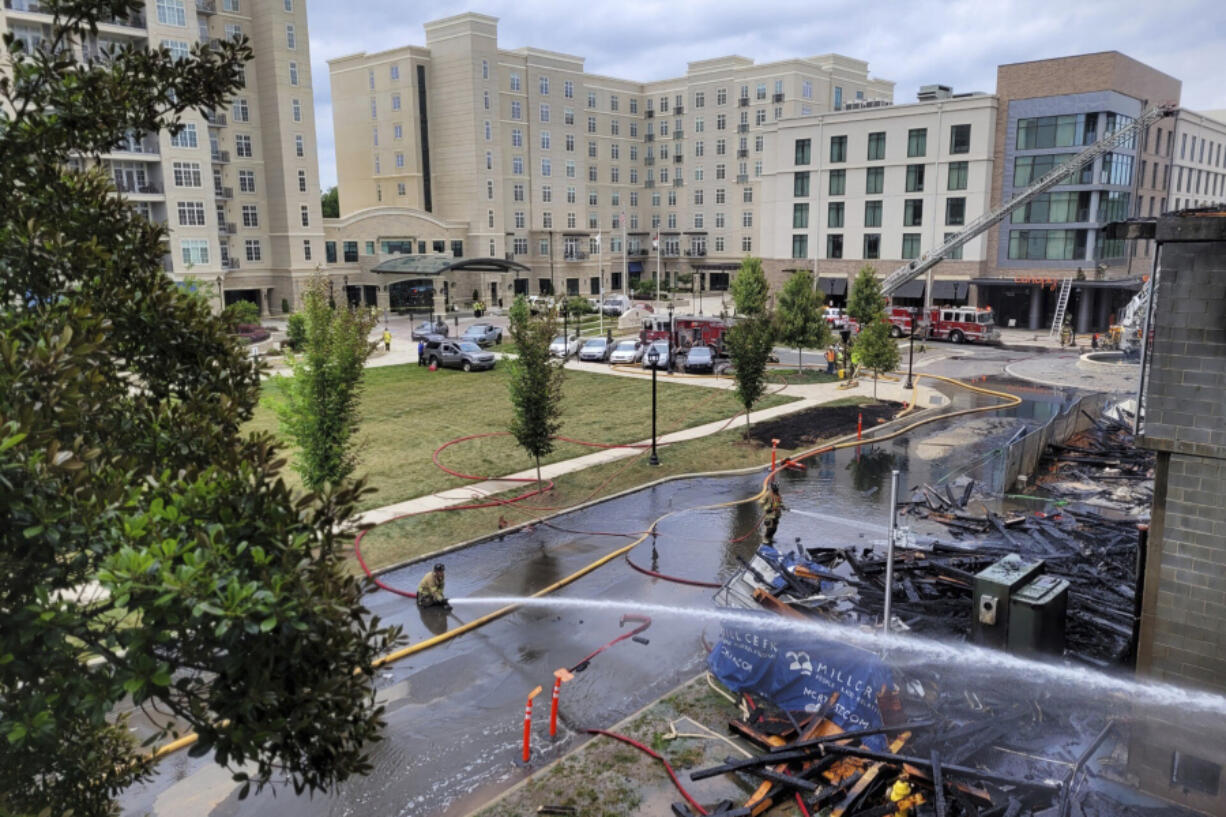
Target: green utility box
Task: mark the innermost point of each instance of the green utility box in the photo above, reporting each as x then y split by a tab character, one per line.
1036	617
994	587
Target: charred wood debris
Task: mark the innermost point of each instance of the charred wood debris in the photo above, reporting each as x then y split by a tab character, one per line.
956	748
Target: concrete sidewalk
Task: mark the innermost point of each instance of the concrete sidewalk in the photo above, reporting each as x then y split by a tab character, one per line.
811	395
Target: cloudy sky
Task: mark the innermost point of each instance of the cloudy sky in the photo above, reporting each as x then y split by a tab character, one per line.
954	42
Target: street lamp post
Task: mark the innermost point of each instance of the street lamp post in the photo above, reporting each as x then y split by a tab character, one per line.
221	295
565	328
672	344
653	358
911	353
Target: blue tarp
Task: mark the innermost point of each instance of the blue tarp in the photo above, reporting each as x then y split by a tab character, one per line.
798	672
790	560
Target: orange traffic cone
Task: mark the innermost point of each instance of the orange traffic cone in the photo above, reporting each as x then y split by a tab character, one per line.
433	366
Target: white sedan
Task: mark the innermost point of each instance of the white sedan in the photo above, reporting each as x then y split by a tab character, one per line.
564	347
627	351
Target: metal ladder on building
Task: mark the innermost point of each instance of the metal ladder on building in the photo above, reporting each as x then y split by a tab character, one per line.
1057	321
1124	136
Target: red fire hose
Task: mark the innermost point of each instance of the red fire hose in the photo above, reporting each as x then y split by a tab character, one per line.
668	768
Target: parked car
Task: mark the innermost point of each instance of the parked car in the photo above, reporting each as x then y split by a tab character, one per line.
457	354
660	347
699	359
424	329
626	351
563	347
483	334
597	349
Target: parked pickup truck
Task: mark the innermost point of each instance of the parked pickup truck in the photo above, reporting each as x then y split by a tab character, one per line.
458	354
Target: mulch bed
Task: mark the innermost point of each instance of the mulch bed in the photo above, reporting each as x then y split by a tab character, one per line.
804	428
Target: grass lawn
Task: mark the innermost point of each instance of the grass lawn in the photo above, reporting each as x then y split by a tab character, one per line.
419	535
804	377
409	411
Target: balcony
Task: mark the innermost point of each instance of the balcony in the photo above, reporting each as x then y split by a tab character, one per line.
221	157
678	110
692	253
743	102
679	182
229	263
637	253
777	98
574	255
206	6
227	228
671	252
651	137
678	134
650	183
142	189
742	178
649	161
215	119
224	193
651	114
743	127
678	157
742	154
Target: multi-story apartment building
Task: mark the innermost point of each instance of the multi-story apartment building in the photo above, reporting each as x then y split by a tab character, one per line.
1197	156
880	185
238	189
562	170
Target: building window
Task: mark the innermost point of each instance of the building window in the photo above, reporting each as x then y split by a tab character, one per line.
229	5
746	244
1057	131
179	49
876	146
838	148
246	181
800	246
834	214
917	142
957	175
834	246
251	215
399	158
800	184
395	102
305	212
299	146
955	211
302	181
252	247
747	218
913	212
238	109
960	139
800	216
172	13
803	151
242	145
195	251
872	214
293	73
289	5
306	249
187	174
350	249
330	252
956	253
296	109
1050	245
191	214
915	178
290	39
910	245
872	245
874	180
838	182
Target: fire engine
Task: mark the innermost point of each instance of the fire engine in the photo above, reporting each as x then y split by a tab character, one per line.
959	324
687	331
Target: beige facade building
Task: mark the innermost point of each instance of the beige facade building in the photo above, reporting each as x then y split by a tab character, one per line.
561	170
238	189
1197	155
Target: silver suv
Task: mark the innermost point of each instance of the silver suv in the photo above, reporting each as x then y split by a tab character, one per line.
457	354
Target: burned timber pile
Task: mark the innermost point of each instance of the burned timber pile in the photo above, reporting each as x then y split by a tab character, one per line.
1051	574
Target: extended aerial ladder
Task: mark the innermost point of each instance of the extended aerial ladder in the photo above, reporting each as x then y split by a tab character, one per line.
918	267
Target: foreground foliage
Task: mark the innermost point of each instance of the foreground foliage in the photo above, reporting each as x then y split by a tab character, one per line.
750	341
142	531
535	383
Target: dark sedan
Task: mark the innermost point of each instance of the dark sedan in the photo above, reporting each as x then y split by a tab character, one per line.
699	359
425	328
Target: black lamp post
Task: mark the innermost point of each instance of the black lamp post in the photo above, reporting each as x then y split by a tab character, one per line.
565	328
911	353
653	358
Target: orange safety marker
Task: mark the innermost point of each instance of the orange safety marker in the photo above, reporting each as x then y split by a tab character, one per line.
774	445
528	724
559	676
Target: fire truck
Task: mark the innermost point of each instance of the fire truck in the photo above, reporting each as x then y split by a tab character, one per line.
957	324
686	331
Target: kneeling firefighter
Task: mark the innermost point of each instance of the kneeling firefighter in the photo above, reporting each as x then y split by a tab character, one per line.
430	590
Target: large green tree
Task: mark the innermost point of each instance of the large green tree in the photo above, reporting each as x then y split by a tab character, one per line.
749	344
535	383
330	203
866	302
151	551
749	289
800	320
320	412
876	350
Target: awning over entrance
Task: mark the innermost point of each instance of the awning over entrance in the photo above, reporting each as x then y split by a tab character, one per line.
833	286
1053	283
950	290
634	266
911	289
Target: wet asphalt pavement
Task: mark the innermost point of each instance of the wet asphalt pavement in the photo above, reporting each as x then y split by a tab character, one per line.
454	712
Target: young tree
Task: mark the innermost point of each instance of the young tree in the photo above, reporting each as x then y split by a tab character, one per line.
876	350
320	411
799	320
330	203
143	528
535	384
749	289
749	344
866	303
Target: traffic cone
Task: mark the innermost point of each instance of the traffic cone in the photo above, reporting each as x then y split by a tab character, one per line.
433	366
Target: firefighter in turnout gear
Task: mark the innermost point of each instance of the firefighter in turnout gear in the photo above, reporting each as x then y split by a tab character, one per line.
772	506
430	590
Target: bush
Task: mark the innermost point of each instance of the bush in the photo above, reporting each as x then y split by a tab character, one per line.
296	331
645	289
285	306
577	305
239	313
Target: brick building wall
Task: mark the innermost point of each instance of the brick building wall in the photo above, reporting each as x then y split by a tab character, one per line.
1183	622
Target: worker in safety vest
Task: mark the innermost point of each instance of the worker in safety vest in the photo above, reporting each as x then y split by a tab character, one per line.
430	590
772	505
830	359
387	340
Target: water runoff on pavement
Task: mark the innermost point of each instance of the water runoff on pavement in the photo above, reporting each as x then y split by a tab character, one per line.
962	662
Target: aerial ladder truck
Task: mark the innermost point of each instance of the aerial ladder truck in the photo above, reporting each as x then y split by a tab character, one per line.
965	327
